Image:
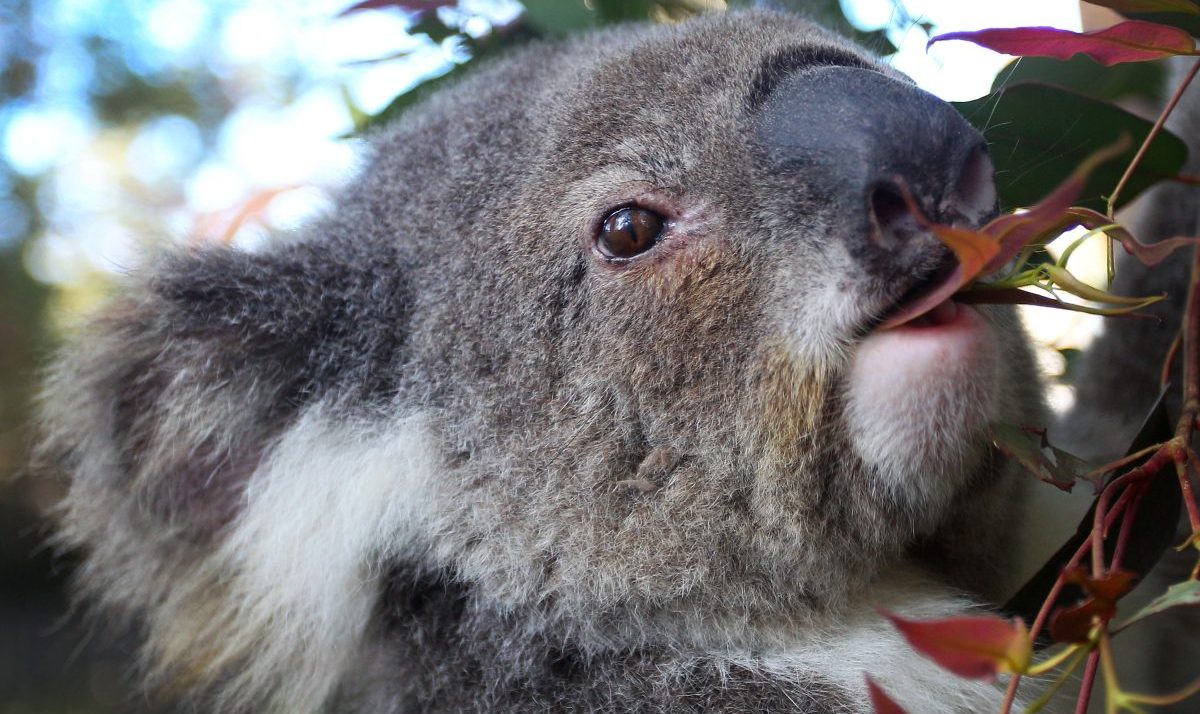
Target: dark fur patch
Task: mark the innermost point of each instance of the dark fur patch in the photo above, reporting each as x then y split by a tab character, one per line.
454	652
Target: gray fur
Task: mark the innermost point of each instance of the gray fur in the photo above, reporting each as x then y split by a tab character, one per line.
643	496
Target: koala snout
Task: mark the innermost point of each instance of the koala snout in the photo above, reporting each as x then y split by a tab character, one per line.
871	138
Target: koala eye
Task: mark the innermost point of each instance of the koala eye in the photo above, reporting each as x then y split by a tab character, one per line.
629	231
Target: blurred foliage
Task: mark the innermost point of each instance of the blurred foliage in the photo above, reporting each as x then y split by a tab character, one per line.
544	19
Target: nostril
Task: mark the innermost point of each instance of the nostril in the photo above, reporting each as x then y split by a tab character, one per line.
892	224
974	196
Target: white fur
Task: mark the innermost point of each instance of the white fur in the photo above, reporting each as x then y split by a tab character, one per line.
859	641
319	513
919	403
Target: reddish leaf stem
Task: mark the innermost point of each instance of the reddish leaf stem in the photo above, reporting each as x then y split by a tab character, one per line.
1154	131
1191	387
1172	353
1105	517
1123	461
1089	680
1135	493
1152	466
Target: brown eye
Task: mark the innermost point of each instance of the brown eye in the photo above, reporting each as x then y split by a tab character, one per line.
629	231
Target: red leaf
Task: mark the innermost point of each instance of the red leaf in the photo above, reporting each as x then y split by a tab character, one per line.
990	248
1016	230
1109	587
1129	41
974	251
978	647
1073	624
1149	254
880	701
416	7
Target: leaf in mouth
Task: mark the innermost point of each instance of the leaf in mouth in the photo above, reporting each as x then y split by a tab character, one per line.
1001	251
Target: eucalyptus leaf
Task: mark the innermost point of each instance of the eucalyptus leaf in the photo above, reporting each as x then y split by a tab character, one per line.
560	17
1085	76
1031	450
1185	594
1038	134
1127	6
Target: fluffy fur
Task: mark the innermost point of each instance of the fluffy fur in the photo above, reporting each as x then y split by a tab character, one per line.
434	455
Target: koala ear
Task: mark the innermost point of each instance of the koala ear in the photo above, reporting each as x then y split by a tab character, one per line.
210	356
167	412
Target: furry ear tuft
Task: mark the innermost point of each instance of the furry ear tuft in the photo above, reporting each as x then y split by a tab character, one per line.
168	415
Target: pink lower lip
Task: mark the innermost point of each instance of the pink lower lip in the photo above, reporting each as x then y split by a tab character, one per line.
939	342
945	314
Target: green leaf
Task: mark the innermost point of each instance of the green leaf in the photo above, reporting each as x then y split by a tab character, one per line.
1127	6
1085	76
1185	594
1038	134
829	13
560	17
1029	448
1184	14
622	10
406	100
433	27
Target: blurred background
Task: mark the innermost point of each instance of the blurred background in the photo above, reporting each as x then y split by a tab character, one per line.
129	124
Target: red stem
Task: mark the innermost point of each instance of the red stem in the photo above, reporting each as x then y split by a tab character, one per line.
1136	492
1154	131
1089	679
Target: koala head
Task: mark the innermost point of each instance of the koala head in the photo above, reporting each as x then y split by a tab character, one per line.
594	335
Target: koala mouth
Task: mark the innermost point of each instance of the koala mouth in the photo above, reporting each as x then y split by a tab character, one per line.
930	315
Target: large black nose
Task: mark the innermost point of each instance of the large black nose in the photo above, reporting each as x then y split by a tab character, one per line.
854	140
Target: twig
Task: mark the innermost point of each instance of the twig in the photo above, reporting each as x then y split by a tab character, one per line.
1137	491
1172	353
1089	680
1154	131
1123	461
1191	387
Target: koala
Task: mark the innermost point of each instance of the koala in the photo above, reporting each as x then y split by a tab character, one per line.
577	401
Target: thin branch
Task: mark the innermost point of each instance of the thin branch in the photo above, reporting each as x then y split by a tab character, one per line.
1089	680
1172	353
1137	490
1154	131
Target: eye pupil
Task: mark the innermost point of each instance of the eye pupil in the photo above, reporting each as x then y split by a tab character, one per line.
629	231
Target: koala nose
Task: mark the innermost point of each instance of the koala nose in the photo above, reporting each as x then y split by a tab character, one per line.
856	140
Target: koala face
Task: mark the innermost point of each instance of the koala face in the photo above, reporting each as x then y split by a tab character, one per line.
594	338
649	337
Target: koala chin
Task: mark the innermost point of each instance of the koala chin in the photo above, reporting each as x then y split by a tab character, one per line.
577	401
920	399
